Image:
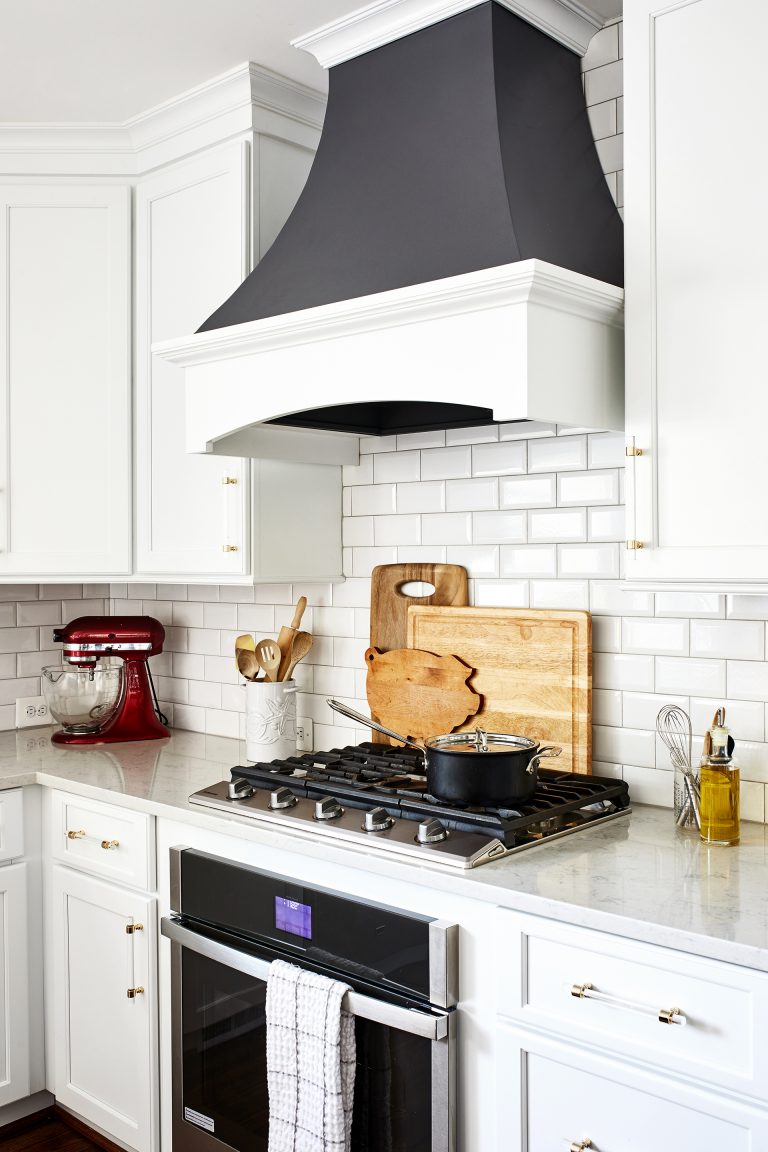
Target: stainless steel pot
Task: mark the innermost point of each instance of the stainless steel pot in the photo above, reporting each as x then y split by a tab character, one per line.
489	769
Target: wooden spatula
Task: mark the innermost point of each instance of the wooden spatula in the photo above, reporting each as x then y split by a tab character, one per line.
285	638
245	643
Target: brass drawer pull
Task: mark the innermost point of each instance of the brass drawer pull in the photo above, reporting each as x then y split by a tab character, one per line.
580	1145
229	479
132	993
230	548
109	844
131	928
663	1015
76	835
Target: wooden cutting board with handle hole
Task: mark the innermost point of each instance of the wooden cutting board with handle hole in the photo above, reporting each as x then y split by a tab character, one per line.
390	603
419	694
533	670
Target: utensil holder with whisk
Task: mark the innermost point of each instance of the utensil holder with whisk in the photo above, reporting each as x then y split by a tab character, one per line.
674	727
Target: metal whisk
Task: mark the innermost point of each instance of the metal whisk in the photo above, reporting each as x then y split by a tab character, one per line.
674	727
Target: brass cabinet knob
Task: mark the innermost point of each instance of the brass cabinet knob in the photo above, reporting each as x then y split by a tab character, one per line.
230	548
132	993
229	480
76	835
131	928
109	844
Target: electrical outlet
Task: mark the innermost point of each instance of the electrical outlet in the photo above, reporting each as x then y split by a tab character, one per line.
32	711
304	735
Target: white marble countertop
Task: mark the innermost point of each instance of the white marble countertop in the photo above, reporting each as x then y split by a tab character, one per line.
633	876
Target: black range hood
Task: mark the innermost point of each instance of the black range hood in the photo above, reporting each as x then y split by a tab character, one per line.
462	147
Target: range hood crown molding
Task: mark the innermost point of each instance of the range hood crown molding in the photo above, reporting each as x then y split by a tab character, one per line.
567	21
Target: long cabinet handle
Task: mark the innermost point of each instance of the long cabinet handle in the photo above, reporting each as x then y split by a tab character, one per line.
427	1025
663	1015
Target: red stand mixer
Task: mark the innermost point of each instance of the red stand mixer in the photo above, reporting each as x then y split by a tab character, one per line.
104	704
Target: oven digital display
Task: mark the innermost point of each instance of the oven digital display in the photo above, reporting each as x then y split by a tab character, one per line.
293	917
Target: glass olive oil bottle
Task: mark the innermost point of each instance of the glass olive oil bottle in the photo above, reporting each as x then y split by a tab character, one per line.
720	784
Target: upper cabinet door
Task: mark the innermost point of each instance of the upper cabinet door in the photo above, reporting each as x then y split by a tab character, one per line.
192	251
696	88
65	380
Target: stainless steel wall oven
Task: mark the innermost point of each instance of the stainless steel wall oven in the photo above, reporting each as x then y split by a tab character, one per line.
229	921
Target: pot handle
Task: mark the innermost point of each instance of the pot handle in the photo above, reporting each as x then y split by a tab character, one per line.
548	751
367	722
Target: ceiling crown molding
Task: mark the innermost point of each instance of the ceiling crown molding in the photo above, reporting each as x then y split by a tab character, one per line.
245	98
567	21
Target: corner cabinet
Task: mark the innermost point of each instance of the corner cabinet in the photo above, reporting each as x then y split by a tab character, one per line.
697	294
65	380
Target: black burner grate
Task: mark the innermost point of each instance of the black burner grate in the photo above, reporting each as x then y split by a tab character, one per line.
364	775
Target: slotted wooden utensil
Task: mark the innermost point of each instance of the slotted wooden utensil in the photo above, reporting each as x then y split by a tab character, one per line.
268	655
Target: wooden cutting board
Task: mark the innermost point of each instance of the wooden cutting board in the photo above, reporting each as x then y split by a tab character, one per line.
419	694
533	671
389	607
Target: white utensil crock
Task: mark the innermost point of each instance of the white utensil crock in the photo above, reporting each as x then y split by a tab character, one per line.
270	720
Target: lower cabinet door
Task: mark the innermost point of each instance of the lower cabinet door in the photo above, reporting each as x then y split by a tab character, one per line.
570	1099
104	1011
14	987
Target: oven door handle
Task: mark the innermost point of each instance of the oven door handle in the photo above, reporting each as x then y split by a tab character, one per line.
428	1025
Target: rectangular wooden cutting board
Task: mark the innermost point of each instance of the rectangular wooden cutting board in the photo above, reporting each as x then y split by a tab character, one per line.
533	670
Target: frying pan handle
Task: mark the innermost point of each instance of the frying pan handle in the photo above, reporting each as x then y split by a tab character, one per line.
546	752
367	722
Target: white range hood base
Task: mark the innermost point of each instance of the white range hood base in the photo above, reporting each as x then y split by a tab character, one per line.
528	340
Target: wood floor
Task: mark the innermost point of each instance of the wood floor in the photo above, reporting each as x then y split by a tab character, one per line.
47	1135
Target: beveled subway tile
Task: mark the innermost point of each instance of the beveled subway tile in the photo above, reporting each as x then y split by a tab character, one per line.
498	527
446	463
558	454
732	639
529	560
656	637
472	495
556	525
447	528
507	458
528	491
396	467
425	496
598	486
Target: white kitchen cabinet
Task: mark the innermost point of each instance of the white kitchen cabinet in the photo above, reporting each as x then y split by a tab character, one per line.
65	380
696	291
14	985
209	516
103	1015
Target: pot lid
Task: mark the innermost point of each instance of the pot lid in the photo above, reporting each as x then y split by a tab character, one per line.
481	741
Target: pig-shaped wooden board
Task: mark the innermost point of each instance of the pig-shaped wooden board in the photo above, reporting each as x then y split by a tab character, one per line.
418	693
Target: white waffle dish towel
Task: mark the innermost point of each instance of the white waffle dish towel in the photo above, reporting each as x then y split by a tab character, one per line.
310	1062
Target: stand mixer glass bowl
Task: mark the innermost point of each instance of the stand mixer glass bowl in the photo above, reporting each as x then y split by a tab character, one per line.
83	699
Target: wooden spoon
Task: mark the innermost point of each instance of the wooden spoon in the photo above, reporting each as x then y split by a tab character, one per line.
269	656
247	664
244	643
302	642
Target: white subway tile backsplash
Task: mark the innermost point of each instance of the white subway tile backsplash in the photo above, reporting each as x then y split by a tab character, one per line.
649	785
19	640
397	530
435	439
557	525
598	561
557	455
483	434
610	599
205	641
471	495
687	677
528	492
622	672
375	444
529	560
352	594
606	634
667	637
426	496
526	430
640	709
17	592
187	615
567	594
188	665
447	528
353	475
255	618
446	463
39	612
357	531
747	680
502	459
334	682
479	560
8	664
606	709
599	486
498	527
396	467
624	746
606	524
745	718
606	450
333	621
422	554
602	48
220	616
8	615
732	639
10	689
602	119
604	83
740	607
691	604
752	801
374	500
501	594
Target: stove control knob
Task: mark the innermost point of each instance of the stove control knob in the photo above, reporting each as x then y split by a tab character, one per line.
239	789
431	832
282	798
377	820
328	809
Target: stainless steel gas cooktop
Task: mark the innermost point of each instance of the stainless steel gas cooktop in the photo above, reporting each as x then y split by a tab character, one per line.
373	797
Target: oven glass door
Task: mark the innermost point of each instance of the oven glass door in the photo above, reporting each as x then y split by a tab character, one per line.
223	1075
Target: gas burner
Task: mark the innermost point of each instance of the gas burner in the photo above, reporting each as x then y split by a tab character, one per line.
371	795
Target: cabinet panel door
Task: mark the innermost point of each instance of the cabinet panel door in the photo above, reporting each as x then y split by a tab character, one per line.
191	253
105	1061
65	380
14	986
697	295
